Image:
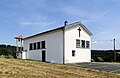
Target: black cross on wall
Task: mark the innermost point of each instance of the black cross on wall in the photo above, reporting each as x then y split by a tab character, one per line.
79	31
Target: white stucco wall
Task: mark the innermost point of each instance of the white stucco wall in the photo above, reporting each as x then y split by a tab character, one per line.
54	47
81	54
24	55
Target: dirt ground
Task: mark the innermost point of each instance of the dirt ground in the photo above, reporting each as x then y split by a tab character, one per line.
16	68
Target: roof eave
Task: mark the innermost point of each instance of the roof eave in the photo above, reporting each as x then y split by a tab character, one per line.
83	26
45	32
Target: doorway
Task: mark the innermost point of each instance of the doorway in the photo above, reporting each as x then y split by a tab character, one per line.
43	55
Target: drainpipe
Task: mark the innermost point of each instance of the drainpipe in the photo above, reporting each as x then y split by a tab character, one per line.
65	24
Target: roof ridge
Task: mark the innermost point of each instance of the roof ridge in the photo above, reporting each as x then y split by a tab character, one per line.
61	27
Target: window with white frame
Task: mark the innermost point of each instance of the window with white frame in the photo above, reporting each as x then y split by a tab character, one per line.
43	44
38	45
83	43
34	46
87	44
77	43
30	46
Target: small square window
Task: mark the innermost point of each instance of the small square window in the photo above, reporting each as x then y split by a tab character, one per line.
73	52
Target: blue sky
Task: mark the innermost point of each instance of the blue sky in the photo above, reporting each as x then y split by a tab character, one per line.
28	17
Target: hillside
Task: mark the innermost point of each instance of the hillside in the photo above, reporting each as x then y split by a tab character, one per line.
16	68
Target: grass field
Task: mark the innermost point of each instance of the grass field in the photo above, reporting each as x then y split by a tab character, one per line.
16	68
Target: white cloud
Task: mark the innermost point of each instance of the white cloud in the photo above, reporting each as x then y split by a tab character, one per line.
97	42
94	42
36	24
26	23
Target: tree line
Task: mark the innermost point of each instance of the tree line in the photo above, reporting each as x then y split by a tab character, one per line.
7	50
105	55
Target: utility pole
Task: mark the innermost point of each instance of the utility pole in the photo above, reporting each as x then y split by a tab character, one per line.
114	50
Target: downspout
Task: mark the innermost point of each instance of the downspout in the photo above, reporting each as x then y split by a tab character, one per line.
65	24
63	45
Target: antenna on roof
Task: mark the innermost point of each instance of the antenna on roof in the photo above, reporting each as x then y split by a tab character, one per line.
65	23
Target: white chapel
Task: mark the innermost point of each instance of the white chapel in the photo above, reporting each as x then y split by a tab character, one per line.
70	43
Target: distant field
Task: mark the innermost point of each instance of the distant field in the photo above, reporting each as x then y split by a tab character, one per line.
16	68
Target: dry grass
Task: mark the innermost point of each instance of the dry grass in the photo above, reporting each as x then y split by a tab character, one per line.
16	68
